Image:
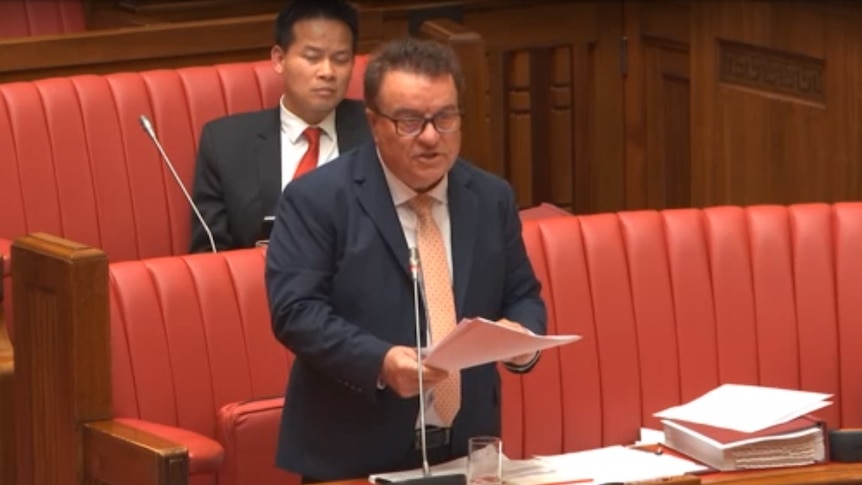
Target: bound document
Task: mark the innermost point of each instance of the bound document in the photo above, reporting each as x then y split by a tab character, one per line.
800	441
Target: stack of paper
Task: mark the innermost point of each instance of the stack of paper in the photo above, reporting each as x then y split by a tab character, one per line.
735	427
596	466
512	469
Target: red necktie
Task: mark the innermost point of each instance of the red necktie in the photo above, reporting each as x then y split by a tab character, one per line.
309	160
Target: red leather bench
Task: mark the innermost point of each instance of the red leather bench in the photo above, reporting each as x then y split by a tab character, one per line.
674	303
79	166
670	305
23	18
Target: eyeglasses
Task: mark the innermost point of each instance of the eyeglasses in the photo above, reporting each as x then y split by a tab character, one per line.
445	122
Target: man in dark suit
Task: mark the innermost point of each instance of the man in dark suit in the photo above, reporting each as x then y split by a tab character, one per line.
245	160
341	292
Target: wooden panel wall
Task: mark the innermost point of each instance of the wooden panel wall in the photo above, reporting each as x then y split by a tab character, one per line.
593	106
556	100
776	102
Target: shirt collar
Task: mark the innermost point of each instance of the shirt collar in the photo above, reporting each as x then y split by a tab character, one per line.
293	126
401	193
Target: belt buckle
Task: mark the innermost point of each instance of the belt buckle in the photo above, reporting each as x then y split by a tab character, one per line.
435	437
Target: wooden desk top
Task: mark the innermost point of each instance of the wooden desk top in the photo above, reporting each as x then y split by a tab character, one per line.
830	473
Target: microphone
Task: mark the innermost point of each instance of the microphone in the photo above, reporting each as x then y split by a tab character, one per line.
427	478
148	128
414	273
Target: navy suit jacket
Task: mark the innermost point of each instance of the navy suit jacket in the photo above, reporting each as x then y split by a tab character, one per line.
340	295
238	172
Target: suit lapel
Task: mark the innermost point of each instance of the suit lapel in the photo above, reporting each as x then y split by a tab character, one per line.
268	160
376	200
463	220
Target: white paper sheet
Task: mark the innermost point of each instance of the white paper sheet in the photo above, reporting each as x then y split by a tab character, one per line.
747	408
478	341
604	465
650	436
512	470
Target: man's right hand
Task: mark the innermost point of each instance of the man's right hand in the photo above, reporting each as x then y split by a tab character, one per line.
400	372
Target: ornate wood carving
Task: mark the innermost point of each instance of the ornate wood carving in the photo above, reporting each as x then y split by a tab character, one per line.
770	70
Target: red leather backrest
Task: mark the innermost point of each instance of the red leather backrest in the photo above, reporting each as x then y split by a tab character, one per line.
191	334
674	303
22	18
76	163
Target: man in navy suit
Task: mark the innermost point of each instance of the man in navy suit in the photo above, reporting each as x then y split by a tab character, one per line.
245	160
340	286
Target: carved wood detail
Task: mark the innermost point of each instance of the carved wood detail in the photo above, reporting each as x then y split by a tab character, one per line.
771	70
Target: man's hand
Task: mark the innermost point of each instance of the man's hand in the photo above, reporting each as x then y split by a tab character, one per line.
400	372
520	360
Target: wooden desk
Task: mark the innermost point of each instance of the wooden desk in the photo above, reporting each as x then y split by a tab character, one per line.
7	459
831	473
683	480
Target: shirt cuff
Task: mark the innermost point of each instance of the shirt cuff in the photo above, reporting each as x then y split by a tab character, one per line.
520	369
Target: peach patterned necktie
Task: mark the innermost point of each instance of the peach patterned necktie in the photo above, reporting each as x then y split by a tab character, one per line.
309	159
439	299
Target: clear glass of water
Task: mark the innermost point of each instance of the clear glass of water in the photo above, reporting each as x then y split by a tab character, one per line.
485	460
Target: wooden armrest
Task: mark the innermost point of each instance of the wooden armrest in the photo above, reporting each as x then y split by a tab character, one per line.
116	454
6	352
7	418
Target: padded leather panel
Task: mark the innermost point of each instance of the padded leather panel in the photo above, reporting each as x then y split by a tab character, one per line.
80	166
22	18
673	303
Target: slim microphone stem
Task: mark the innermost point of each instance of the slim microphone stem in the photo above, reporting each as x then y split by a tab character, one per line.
145	122
414	267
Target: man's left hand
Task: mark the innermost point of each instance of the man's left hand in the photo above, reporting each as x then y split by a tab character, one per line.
520	360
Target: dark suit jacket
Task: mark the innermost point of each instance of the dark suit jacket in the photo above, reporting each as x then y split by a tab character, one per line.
238	172
340	294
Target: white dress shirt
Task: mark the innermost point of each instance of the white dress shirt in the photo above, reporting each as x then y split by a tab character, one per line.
294	144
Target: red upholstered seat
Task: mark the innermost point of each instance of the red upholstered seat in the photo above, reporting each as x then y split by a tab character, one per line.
76	163
674	303
23	18
194	361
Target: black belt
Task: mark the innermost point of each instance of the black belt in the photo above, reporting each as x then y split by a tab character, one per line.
435	437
